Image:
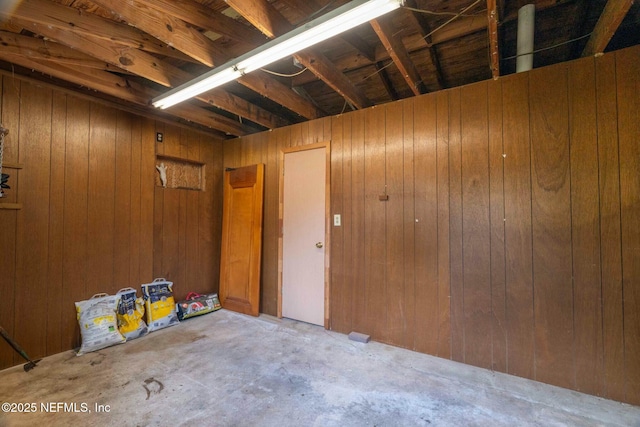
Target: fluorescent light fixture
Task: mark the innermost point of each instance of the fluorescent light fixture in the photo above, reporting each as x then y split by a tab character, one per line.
329	25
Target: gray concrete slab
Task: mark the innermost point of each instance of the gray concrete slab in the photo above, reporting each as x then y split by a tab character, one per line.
227	369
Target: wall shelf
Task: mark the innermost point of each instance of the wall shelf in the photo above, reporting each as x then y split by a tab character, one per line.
11	206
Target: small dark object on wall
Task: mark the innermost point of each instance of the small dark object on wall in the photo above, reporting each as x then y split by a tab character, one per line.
3	181
159	137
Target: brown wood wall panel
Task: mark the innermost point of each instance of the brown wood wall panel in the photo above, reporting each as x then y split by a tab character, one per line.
408	301
374	223
86	222
551	224
585	226
394	224
442	221
628	79
340	298
348	284
101	202
476	226
518	239
33	220
122	200
76	216
426	290
357	220
186	229
10	109
135	219
496	203
610	238
56	226
456	264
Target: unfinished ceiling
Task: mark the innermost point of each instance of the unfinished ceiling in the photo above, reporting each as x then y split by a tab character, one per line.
130	51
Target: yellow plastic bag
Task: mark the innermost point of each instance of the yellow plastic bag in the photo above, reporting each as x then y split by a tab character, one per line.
131	314
160	305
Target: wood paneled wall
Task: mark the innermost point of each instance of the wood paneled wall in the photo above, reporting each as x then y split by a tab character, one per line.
510	239
92	219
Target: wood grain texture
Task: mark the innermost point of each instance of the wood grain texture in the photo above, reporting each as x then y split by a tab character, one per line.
9	108
358	219
32	251
497	215
407	337
610	233
374	224
426	289
101	201
56	225
551	226
518	238
75	271
443	237
476	226
455	229
627	70
340	297
394	224
585	227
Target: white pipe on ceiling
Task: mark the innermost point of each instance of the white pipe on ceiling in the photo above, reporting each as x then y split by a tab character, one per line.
526	23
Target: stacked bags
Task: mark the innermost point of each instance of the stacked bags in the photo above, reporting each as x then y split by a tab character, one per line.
106	320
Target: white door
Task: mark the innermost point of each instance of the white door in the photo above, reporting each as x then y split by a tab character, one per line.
303	234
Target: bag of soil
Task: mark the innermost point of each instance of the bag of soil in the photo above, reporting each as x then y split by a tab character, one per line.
159	304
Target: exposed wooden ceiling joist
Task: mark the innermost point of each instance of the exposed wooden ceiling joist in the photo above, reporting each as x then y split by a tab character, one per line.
59	23
493	18
424	30
610	19
384	29
182	36
124	89
271	23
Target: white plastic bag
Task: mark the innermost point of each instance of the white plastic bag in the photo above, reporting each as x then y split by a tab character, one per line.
98	323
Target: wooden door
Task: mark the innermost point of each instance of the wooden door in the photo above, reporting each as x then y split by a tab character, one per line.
304	245
242	239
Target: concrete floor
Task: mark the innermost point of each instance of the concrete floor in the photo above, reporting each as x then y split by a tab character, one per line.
227	369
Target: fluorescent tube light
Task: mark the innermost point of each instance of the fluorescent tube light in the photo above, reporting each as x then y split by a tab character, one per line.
348	16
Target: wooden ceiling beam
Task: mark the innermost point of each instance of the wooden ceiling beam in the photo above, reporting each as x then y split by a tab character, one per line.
305	10
127	90
182	36
123	57
494	49
46	12
424	29
383	28
127	58
271	23
607	25
172	31
32	47
261	83
206	18
461	27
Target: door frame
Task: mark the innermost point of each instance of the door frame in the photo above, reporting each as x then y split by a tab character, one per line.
327	225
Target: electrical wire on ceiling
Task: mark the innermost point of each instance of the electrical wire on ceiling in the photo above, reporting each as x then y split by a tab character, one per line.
430	12
275	73
455	16
542	49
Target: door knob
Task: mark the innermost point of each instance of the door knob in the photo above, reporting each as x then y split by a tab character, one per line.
319	245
